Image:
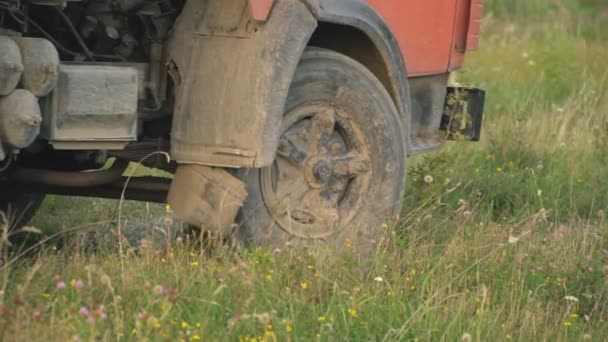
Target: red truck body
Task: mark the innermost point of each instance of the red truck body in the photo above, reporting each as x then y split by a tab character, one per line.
433	35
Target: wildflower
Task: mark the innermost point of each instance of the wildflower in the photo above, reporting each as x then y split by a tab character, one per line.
499	169
567	324
466	337
269	277
84	311
378	279
192	254
571	299
163	260
412	288
61	284
46	295
348	243
277	250
72	282
310	267
513	239
353	313
158	290
321	319
79	284
194	264
573	316
304	286
428	179
195	337
288	328
184	325
36	316
168	209
156	325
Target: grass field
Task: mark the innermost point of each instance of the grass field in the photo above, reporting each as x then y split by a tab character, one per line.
509	241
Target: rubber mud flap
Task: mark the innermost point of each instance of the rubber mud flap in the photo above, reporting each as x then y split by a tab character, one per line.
206	196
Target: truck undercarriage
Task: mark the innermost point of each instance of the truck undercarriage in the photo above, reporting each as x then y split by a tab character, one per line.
94	85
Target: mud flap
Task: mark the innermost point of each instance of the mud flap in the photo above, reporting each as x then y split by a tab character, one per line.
463	114
206	196
232	75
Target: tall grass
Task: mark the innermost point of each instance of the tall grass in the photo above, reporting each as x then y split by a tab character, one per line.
506	240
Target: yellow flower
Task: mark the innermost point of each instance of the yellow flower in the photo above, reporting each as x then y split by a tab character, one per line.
567	324
198	325
157	325
195	337
163	260
184	325
353	313
310	267
192	254
72	282
288	328
575	316
46	295
390	293
194	264
321	319
269	277
499	169
304	286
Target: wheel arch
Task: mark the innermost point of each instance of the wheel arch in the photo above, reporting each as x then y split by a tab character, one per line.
356	30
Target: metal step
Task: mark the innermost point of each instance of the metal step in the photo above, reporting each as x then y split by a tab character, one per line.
419	145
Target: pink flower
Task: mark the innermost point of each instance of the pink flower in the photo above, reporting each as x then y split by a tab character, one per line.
277	250
79	284
61	284
84	311
165	292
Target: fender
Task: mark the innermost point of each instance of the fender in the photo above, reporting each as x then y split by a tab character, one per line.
232	73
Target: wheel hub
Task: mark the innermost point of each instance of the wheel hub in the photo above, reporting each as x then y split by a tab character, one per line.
321	172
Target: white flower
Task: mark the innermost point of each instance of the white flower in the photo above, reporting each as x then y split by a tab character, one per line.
378	279
571	299
428	179
513	239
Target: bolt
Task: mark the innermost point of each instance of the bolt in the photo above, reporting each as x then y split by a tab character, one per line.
322	171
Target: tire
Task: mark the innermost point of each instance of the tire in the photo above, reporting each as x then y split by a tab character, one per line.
20	208
340	167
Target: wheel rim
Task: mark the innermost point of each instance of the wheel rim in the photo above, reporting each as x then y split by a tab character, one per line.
321	174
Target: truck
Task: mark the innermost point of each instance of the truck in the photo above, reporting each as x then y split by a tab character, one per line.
280	121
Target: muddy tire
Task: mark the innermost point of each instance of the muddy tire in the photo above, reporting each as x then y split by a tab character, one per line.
19	208
340	167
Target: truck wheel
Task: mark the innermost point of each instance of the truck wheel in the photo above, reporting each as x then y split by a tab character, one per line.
19	209
340	166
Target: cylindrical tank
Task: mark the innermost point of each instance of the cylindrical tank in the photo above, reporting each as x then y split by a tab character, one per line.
40	65
11	66
20	119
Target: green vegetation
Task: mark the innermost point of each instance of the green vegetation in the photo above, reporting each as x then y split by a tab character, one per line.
502	240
